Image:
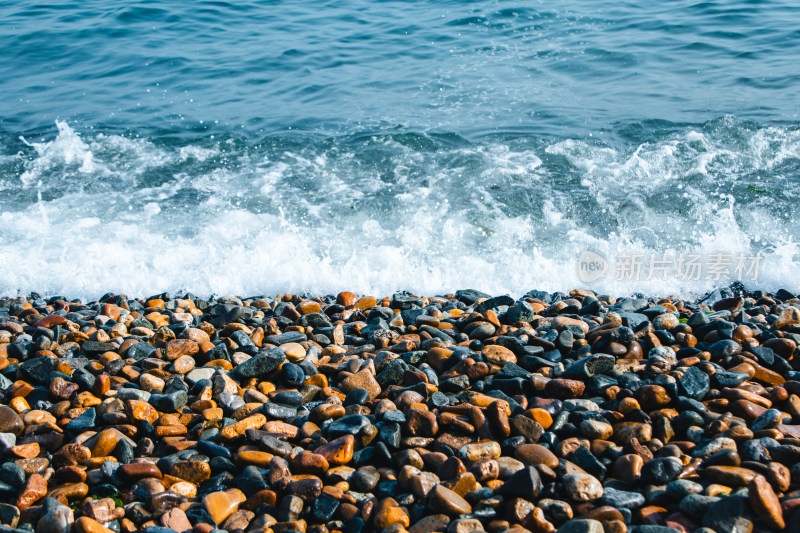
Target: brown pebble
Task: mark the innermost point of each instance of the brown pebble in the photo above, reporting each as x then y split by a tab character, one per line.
534	454
134	471
765	503
35	489
10	422
338	451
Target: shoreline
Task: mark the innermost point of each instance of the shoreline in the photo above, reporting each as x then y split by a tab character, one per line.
462	412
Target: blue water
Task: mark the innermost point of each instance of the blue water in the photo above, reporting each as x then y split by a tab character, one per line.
263	147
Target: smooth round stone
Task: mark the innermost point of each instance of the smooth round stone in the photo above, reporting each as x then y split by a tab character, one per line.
390	513
151	383
220	505
509	466
408	457
624	432
534	454
483	331
478	451
596	429
339	451
680	488
358	397
85	524
714	446
620	498
525	483
37	417
73	454
10	422
731	514
447	501
7	440
422	423
307	488
35	489
652	397
696	505
183	364
192	471
726	378
394	415
12	474
365	479
662	352
724	348
136	471
229	401
347	425
104	443
765	502
769	419
694	383
582	487
9	515
666	321
289	397
730	476
292	375
198	374
564	388
661	471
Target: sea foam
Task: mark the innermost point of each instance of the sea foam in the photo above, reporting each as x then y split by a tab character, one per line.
88	213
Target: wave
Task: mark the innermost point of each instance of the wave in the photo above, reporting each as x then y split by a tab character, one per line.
83	213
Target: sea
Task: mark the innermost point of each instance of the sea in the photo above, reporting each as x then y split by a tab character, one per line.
267	147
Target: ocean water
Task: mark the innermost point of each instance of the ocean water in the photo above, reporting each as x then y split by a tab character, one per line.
259	147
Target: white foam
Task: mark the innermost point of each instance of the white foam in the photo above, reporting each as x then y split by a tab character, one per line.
490	216
66	149
196	152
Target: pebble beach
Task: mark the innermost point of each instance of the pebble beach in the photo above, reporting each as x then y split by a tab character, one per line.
466	412
620	181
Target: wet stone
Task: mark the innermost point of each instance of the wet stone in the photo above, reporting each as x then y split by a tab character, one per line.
347	425
730	514
12	474
261	364
10	422
83	422
694	383
448	502
442	413
35	488
620	498
661	471
525	483
582	487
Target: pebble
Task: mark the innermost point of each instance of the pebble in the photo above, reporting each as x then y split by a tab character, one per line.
535	454
176	520
582	487
10	422
661	471
35	489
446	501
765	502
582	526
459	412
729	514
220	505
56	518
